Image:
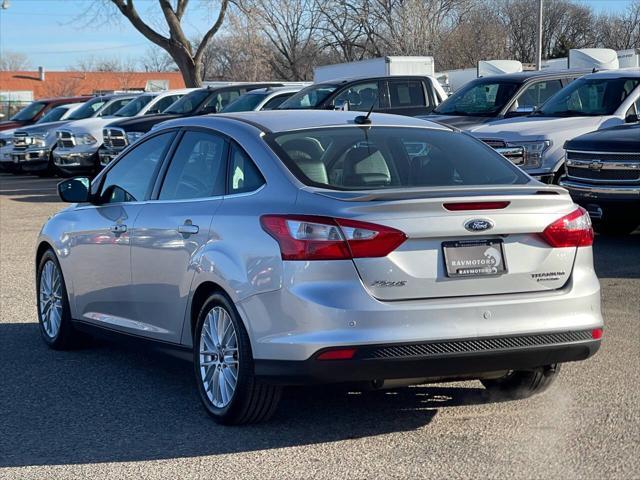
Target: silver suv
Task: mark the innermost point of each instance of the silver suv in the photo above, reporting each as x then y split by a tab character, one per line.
323	247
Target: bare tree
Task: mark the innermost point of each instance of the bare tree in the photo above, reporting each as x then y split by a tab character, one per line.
13	61
290	27
156	59
187	57
620	31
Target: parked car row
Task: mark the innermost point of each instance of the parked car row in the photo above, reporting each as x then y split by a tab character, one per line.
527	117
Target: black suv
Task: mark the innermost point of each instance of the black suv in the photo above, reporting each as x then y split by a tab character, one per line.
488	99
118	135
603	175
403	95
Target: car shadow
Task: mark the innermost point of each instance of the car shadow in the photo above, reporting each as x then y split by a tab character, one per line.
28	188
113	403
616	256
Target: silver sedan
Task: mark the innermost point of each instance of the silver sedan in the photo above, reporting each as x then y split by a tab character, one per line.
282	248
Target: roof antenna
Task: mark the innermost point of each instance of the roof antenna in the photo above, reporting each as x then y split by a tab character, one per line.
364	119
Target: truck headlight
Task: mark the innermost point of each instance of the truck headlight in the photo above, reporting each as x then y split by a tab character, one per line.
133	137
533	152
85	139
39	139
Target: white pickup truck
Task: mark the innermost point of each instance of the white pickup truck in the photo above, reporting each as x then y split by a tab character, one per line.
595	101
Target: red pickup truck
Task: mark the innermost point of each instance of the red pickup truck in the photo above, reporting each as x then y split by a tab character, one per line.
32	112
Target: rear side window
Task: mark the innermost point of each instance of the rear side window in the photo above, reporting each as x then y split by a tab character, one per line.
197	168
406	94
244	176
357	158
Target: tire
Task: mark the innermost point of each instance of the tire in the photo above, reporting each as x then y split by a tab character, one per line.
520	384
56	328
50	171
249	400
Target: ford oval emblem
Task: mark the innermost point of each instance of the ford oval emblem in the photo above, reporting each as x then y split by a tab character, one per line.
478	225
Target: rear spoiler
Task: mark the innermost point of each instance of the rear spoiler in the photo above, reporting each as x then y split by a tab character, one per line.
436	192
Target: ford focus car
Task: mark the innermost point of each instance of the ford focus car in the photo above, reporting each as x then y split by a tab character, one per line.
286	248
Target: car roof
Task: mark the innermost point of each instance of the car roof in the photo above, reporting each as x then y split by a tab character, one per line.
345	80
288	120
526	75
619	73
273	90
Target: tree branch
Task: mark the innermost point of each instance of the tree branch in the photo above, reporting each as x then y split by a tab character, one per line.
128	9
212	31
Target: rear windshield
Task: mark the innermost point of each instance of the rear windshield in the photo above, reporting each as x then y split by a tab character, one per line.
368	158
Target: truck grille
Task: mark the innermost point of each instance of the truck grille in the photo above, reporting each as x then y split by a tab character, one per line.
21	140
494	143
65	139
475	345
115	138
514	154
603	167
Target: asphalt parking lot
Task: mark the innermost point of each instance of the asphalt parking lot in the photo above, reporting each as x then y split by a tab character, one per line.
112	411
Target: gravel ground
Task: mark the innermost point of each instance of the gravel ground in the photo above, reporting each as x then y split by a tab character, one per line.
117	412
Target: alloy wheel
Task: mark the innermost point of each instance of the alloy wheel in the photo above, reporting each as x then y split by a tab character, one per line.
51	298
219	357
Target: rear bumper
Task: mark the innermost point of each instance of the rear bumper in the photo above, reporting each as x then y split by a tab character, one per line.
414	362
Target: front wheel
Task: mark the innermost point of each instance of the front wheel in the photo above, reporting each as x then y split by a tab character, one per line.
54	315
223	365
520	384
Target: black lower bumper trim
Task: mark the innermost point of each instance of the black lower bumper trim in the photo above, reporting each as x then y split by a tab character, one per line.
449	365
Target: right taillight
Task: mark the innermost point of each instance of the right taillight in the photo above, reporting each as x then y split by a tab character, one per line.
310	237
572	230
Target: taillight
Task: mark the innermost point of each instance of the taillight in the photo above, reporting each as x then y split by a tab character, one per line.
572	230
337	354
307	237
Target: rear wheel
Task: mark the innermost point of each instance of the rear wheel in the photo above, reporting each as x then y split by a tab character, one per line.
54	315
519	384
224	367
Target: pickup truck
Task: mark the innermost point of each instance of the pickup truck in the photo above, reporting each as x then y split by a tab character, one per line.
212	99
400	94
495	97
592	102
78	142
33	146
35	110
603	175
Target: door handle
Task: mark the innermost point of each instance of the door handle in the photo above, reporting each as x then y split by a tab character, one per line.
117	229
188	229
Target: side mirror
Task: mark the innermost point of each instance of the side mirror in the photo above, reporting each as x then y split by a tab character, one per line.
631	118
74	190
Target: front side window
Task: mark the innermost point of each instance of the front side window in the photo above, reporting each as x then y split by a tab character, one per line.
481	99
244	176
88	109
29	112
406	94
535	95
219	100
360	97
368	158
131	178
309	97
114	106
589	97
197	169
162	104
276	101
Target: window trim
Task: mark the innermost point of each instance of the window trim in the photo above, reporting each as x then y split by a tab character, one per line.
149	193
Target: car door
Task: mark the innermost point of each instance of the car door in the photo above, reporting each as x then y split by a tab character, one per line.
409	97
171	231
100	257
360	96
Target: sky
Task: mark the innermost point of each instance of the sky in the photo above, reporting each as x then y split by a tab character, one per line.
58	33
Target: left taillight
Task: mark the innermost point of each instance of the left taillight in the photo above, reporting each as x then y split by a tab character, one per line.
310	237
572	230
